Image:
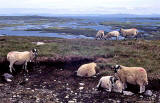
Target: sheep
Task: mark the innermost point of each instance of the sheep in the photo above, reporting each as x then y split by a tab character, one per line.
100	34
132	75
129	32
87	70
110	83
112	34
19	58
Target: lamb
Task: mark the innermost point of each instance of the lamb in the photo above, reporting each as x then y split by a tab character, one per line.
132	75
100	34
110	83
87	70
129	32
112	34
19	58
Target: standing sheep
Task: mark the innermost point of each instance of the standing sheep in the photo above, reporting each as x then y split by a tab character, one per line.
110	83
100	34
87	70
129	32
19	58
132	75
112	34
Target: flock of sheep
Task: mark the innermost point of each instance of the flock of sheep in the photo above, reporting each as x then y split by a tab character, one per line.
116	83
124	32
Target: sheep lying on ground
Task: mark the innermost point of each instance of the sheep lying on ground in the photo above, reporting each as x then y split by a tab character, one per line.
87	70
100	34
19	58
110	83
112	34
129	32
132	75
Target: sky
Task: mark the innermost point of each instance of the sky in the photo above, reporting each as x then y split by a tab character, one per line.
141	7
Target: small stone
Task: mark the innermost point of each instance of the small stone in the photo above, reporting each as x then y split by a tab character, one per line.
7	75
80	88
82	84
8	80
127	93
26	79
14	96
148	93
118	101
67	96
1	84
141	96
71	101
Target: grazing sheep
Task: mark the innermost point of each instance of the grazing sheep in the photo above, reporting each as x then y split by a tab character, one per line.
129	32
100	34
87	70
132	75
19	58
112	34
110	83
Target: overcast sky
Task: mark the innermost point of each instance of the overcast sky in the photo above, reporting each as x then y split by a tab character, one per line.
80	6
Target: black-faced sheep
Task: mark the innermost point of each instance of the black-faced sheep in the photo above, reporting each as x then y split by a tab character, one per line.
87	70
110	83
129	32
19	58
132	75
112	34
100	34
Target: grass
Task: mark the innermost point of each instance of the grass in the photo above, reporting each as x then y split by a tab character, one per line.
142	53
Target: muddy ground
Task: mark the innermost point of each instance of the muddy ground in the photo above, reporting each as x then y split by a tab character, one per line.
53	81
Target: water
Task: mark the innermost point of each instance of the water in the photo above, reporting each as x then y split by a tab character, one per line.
71	22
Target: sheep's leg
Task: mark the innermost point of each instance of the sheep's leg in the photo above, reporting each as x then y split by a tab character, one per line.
25	67
142	88
11	66
110	88
124	86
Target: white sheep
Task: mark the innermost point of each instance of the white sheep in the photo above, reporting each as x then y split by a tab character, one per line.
110	83
112	34
87	70
129	32
100	34
19	58
132	75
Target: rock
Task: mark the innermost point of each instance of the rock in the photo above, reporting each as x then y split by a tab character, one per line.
1	84
80	88
141	96
40	43
148	93
127	93
82	84
8	80
7	75
71	101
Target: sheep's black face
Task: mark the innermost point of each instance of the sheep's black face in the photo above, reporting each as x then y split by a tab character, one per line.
116	68
35	51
